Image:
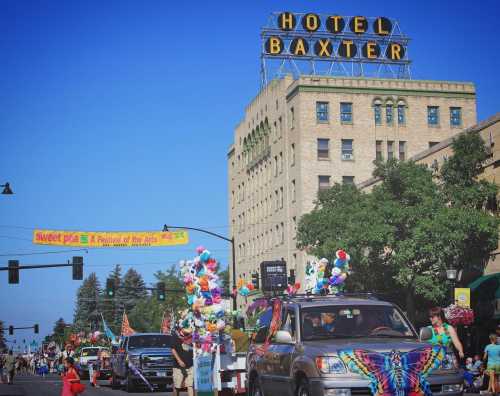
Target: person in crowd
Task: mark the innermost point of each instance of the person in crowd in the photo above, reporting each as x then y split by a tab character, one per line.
96	366
68	352
182	350
476	363
43	369
10	367
492	354
69	378
443	333
2	365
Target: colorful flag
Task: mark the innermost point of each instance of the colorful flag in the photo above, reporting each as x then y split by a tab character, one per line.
166	323
126	329
107	330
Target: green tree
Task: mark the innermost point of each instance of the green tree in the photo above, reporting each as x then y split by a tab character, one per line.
224	281
402	235
112	307
86	316
133	289
148	312
3	345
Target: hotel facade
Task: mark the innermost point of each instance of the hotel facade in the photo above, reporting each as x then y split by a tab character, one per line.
299	136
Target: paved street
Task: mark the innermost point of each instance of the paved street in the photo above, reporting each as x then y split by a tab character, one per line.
29	385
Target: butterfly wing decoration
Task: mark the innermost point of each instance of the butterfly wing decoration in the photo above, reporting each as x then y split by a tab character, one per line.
395	373
419	363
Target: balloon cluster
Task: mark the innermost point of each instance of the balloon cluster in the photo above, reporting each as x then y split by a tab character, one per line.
244	288
206	318
322	278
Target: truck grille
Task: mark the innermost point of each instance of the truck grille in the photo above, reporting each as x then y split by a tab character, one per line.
157	362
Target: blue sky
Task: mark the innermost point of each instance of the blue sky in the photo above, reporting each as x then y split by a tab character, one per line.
118	115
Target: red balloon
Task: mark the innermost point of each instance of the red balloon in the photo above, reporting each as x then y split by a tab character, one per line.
250	286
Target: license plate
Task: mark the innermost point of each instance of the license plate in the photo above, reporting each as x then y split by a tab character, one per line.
161	373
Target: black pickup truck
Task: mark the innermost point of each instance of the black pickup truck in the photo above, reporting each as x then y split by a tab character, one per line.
149	354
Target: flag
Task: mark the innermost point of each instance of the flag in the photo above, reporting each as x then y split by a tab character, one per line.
126	329
166	323
107	330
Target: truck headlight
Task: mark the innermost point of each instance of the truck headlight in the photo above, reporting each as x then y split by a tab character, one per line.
135	360
449	362
452	388
330	365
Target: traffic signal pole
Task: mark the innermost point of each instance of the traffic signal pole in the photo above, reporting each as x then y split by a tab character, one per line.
14	267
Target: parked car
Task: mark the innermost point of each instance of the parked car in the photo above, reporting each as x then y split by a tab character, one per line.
150	354
89	355
303	358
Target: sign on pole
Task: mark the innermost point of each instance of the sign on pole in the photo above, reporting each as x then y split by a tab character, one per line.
462	297
203	381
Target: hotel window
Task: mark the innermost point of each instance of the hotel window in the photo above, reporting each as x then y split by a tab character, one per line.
276	200
282	236
243	192
292	154
323	182
401	113
377	113
323	149
433	115
275	166
402	150
293	191
378	150
277	236
347	150
280	129
389	114
390	149
346	113
322	112
292	118
232	199
294	221
432	144
347	179
281	197
455	117
281	162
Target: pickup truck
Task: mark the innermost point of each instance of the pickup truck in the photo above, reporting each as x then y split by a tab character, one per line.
146	353
303	357
89	355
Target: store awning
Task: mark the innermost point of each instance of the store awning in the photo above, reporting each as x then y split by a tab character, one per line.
487	286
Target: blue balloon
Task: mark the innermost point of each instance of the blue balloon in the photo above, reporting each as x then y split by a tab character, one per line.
205	256
339	263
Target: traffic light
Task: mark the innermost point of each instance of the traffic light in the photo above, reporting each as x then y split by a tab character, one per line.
291	278
110	287
11	330
36	328
160	291
77	268
13	271
255	280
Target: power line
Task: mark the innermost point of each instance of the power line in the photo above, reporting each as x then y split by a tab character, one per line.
50	252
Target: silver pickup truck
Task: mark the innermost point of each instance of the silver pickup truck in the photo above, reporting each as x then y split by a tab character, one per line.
142	354
303	357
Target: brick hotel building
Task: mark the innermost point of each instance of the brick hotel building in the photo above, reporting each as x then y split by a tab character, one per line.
300	136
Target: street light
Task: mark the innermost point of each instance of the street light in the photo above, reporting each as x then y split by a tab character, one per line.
230	240
6	189
453	276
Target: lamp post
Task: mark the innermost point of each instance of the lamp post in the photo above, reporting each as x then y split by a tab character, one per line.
453	276
6	189
230	240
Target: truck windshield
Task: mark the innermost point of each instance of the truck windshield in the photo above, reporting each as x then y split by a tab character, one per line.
90	351
149	341
354	321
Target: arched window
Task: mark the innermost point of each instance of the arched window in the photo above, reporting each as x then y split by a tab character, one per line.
402	112
389	112
377	111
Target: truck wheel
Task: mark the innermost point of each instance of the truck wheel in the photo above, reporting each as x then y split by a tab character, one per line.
114	383
129	385
303	388
255	389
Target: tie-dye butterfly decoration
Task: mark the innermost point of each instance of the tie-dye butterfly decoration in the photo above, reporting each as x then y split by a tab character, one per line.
395	373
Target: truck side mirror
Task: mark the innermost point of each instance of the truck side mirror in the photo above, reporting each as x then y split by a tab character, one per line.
425	334
283	337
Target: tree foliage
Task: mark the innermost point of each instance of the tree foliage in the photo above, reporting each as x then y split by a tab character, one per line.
409	229
3	345
87	312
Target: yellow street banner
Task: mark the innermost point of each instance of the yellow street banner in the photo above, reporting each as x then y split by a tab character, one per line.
462	297
110	239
